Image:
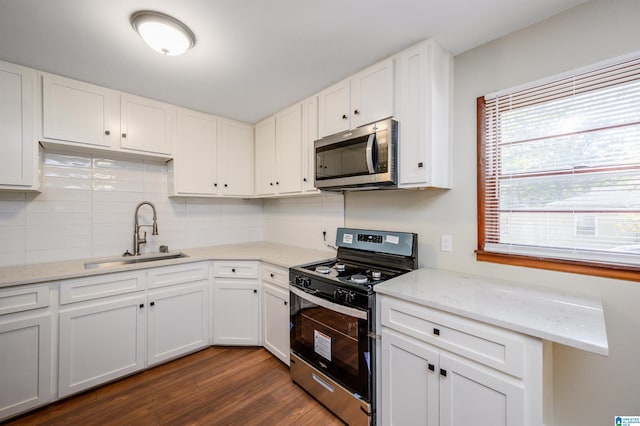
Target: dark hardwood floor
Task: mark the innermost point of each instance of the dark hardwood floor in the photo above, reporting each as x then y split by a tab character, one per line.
217	386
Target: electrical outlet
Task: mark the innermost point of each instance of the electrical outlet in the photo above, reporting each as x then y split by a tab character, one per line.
446	243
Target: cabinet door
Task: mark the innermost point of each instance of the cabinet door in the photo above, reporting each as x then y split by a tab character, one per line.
275	321
177	321
409	381
194	163
25	359
309	136
100	342
73	111
147	125
18	162
372	94
472	394
236	310
289	150
266	157
424	114
333	107
236	159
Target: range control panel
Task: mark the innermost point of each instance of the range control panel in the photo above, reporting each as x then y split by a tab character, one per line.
376	241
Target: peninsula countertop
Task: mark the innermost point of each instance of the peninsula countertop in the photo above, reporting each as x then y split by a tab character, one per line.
553	316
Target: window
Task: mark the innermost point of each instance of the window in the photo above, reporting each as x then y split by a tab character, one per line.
559	173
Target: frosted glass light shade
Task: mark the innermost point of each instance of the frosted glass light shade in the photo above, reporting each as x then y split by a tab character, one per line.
163	33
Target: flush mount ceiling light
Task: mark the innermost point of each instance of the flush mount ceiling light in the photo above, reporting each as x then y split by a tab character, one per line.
164	33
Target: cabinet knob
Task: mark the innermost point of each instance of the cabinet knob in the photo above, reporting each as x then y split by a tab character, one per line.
152	304
271	275
106	132
271	183
304	179
255	291
436	331
225	185
141	305
443	372
277	183
285	303
233	270
420	165
432	368
344	116
356	112
124	135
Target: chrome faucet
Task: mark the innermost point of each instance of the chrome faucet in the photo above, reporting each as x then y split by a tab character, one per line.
137	240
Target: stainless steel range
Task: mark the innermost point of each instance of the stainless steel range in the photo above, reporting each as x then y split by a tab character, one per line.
333	351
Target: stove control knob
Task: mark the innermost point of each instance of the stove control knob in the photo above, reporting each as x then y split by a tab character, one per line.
339	294
306	281
350	297
298	280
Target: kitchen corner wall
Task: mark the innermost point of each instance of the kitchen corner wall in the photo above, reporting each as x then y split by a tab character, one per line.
86	209
87	204
300	221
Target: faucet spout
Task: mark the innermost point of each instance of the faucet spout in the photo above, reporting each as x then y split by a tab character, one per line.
137	239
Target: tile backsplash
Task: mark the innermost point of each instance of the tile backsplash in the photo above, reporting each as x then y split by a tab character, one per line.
86	209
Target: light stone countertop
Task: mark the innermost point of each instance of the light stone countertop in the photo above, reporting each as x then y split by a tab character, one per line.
568	320
276	254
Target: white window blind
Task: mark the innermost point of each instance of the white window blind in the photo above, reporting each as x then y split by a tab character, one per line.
560	168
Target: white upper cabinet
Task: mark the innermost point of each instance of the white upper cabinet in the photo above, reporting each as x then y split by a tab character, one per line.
289	150
372	94
425	79
74	111
309	136
85	115
266	157
146	125
235	160
364	98
279	153
193	170
19	160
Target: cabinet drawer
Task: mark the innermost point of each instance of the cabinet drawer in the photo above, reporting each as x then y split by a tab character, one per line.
178	274
89	288
237	269
491	346
18	299
275	275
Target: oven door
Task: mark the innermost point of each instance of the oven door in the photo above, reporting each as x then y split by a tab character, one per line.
333	338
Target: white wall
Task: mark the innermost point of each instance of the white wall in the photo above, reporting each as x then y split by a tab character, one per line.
300	221
588	389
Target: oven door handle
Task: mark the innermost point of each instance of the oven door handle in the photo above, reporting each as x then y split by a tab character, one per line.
357	313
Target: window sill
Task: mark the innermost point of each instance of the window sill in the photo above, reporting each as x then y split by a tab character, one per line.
620	272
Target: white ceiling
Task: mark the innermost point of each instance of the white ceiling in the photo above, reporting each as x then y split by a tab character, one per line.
252	57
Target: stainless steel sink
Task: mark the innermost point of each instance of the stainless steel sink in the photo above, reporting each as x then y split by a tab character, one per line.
131	260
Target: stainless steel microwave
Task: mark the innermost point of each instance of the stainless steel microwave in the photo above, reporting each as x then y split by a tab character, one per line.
364	158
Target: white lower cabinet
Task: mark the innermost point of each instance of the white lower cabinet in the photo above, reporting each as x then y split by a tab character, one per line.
25	362
275	311
236	304
115	324
101	341
439	369
178	320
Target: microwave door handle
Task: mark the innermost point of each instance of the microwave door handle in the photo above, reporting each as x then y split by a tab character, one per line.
370	142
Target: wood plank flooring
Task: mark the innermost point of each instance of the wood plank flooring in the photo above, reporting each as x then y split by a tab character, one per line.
216	386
